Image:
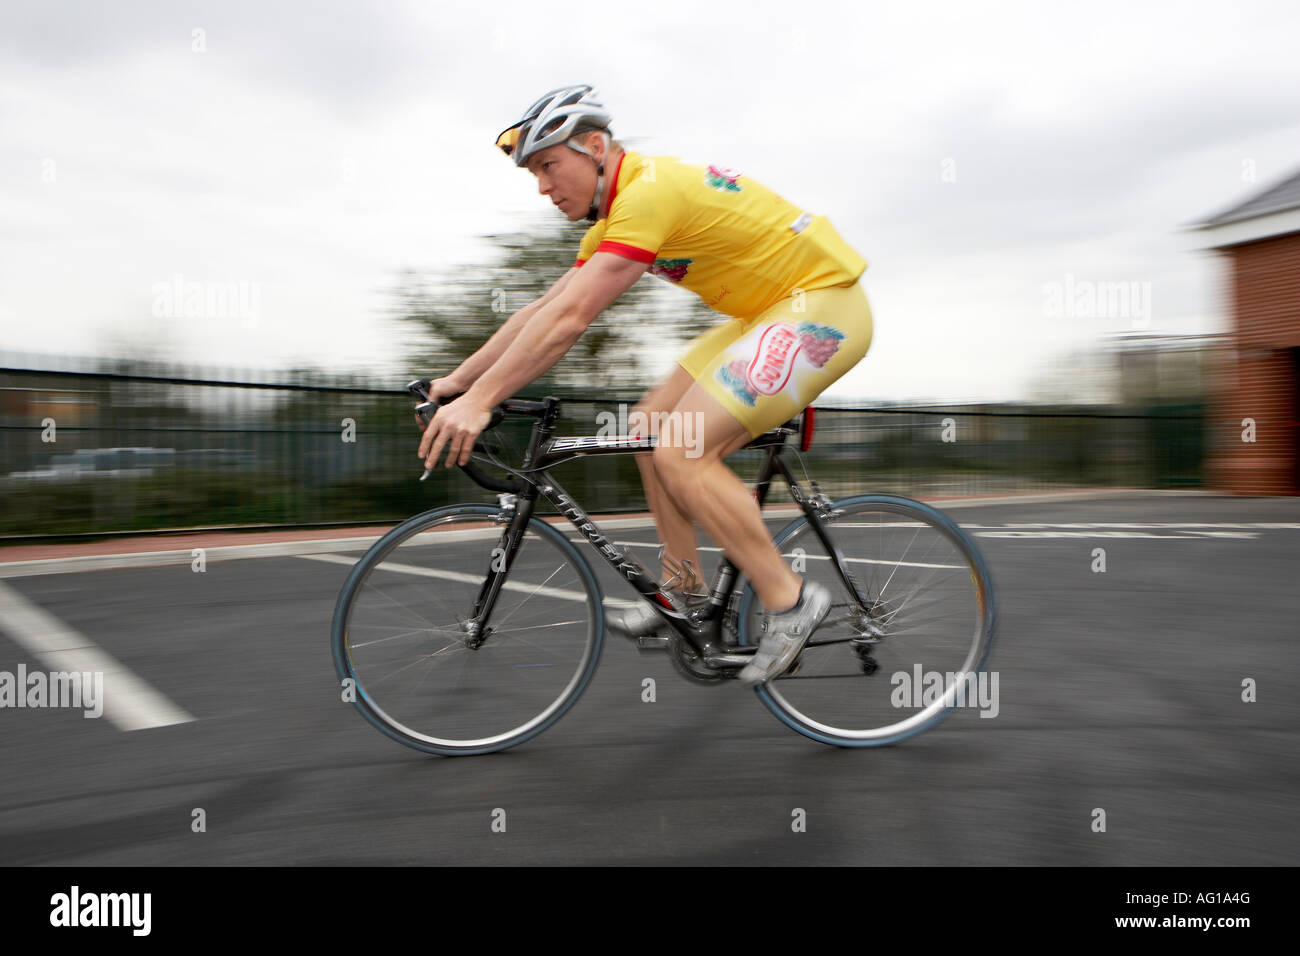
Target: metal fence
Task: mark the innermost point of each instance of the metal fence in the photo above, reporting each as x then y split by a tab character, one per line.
96	451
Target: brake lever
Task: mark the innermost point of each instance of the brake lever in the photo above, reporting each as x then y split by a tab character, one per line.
420	388
428	408
425	410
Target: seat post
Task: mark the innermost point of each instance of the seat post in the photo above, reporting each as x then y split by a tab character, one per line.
763	483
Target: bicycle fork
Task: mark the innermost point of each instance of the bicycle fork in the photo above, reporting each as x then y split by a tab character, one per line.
516	514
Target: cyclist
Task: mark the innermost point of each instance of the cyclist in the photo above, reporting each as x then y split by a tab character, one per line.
798	320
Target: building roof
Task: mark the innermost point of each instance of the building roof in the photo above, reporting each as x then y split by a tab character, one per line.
1279	197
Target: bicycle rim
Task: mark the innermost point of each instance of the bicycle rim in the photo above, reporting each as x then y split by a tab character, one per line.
927	624
400	634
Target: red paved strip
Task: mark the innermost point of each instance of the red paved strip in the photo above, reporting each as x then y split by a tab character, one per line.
177	542
184	541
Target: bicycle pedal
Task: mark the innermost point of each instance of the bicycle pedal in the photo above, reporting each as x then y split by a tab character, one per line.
653	642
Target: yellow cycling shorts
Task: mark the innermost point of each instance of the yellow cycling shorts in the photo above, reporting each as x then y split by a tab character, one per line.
766	370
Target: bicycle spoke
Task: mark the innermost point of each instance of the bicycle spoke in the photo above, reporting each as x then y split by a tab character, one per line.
895	571
912	597
851	675
375	589
385	640
413	663
534	627
534	592
537	647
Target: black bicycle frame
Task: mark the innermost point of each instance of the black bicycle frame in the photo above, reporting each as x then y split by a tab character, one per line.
702	628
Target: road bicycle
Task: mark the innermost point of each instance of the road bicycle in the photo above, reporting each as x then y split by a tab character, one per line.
472	628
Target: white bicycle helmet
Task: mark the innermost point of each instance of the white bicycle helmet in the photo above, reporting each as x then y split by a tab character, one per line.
556	118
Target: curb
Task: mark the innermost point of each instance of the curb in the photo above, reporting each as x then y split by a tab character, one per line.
272	549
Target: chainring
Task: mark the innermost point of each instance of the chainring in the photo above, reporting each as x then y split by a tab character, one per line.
690	665
687	661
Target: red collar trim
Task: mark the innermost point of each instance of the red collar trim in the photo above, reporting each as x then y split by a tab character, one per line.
613	189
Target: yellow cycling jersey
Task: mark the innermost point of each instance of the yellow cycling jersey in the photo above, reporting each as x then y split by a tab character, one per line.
735	243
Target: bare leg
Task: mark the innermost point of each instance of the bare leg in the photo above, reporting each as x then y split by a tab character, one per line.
709	492
675	528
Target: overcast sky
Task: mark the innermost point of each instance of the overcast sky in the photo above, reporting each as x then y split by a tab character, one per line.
988	160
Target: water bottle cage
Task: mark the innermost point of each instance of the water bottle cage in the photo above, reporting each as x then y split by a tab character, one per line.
821	502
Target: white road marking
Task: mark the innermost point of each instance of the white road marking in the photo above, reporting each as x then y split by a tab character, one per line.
1175	531
270	549
562	594
809	557
1146	525
1183	536
129	702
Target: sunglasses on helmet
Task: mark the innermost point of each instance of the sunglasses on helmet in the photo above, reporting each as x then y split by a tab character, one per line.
508	140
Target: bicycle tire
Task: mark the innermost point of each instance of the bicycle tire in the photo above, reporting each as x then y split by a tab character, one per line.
539	676
794	698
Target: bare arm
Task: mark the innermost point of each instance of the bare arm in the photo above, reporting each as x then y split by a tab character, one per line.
542	342
469	370
556	326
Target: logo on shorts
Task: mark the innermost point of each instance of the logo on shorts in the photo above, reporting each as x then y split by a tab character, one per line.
722	179
773	363
819	342
674	270
732	376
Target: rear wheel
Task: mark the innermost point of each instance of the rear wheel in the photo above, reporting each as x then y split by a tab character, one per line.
402	633
900	648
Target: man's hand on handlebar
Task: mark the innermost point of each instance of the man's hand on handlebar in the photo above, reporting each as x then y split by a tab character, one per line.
444	387
455	427
439	389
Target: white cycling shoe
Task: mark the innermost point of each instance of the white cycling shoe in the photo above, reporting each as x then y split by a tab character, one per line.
641	620
785	634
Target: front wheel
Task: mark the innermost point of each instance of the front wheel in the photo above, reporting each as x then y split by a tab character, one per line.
909	629
403	635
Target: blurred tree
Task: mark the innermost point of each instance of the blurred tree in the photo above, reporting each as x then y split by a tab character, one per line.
627	347
1081	376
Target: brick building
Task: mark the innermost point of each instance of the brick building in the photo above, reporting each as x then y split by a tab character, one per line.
1255	411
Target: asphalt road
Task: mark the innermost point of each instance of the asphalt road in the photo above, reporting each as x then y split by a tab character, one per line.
1119	691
